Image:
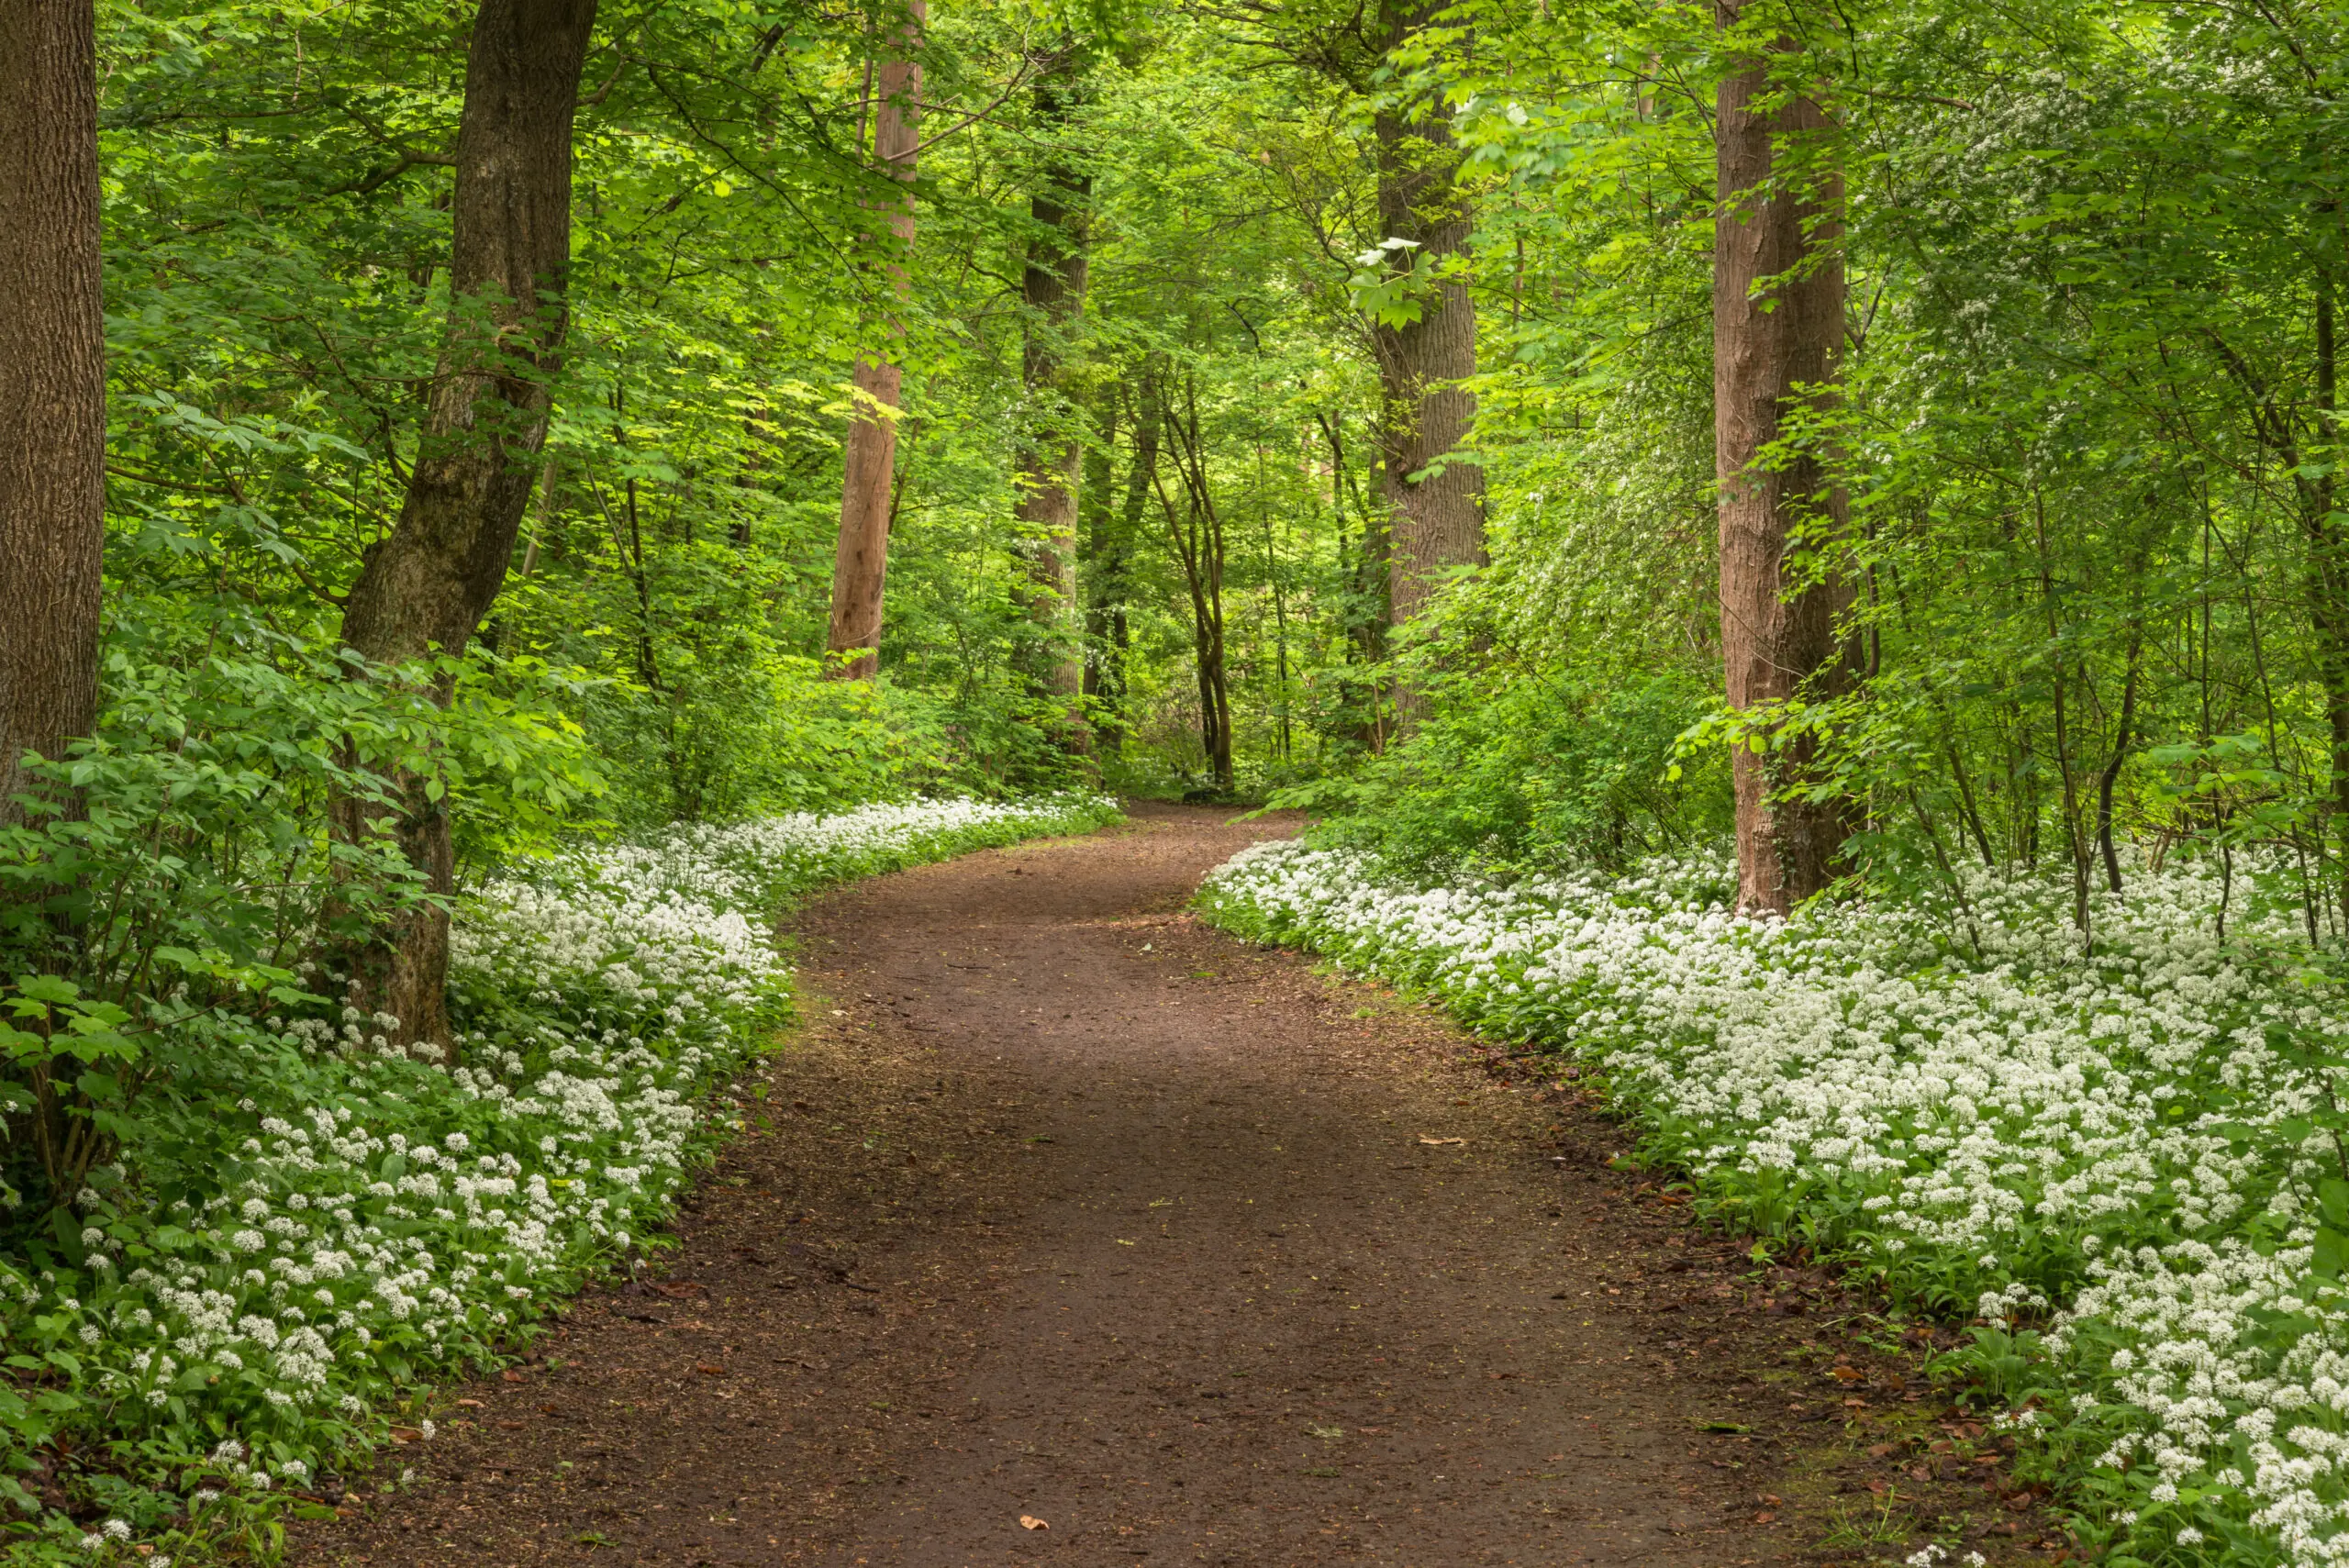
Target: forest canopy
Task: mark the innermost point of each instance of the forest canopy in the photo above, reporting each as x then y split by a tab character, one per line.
1268	385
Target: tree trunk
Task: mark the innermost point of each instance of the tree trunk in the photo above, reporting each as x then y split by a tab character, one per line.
861	565
1108	543
1436	523
53	386
1195	535
427	585
1141	478
2328	566
1773	332
1053	288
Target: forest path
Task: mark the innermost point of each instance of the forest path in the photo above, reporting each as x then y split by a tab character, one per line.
1067	1206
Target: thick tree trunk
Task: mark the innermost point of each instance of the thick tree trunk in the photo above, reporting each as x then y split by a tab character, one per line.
1052	451
427	585
1777	325
861	564
1434	523
52	385
2328	569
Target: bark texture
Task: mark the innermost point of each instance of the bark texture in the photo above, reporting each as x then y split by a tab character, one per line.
1777	326
1052	284
52	383
428	583
861	564
1435	523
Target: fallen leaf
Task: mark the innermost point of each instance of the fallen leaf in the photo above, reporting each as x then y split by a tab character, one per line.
470	1405
1438	1143
1029	1522
707	1370
407	1435
511	1375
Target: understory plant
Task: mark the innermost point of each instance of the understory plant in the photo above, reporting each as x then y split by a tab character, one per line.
2123	1158
300	1227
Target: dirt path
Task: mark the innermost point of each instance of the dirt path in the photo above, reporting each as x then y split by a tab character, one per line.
1068	1207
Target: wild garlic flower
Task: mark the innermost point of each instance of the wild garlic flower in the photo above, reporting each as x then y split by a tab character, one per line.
418	1213
2118	1153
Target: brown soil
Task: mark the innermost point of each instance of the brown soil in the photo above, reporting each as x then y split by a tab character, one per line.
1065	1208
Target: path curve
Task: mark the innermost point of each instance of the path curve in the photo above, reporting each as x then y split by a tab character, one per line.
1066	1209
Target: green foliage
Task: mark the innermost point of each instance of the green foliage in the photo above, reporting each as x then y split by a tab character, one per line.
2089	431
1552	771
295	1231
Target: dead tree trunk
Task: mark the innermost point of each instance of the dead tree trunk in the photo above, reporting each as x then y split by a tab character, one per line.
427	586
53	386
1778	337
1436	522
1049	464
861	565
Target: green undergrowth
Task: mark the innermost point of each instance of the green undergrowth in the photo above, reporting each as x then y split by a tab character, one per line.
307	1231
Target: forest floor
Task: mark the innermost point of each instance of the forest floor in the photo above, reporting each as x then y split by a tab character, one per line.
1071	1231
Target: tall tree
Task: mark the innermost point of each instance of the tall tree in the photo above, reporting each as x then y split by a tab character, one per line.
1435	519
1053	286
1195	536
1106	561
52	383
1777	340
861	565
427	586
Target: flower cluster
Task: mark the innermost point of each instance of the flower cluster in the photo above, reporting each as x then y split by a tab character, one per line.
2126	1157
368	1217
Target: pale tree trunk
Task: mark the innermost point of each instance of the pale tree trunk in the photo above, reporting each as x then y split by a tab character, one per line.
1111	584
1773	333
1434	523
861	564
1053	288
428	583
1103	566
52	385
